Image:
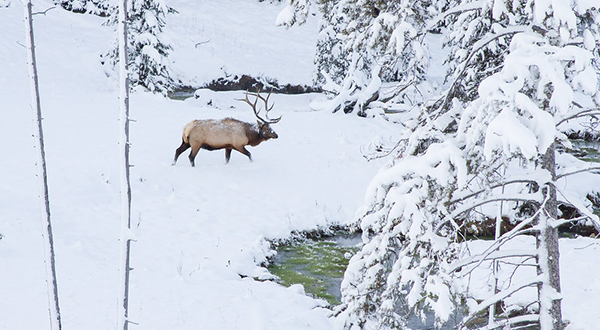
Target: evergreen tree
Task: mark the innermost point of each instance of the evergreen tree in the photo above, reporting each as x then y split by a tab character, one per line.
148	49
482	150
368	50
373	51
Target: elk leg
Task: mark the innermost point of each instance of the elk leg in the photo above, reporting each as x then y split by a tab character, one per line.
227	155
245	152
193	155
183	147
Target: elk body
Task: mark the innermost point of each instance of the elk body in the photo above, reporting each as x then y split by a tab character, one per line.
228	133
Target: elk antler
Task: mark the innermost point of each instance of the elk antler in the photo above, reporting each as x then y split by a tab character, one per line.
267	108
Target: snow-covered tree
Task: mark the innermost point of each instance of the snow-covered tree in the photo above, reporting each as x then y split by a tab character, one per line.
379	54
368	51
403	264
489	148
296	12
148	47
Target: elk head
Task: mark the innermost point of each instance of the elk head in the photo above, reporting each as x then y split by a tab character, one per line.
264	125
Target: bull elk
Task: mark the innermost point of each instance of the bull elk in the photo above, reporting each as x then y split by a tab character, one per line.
228	133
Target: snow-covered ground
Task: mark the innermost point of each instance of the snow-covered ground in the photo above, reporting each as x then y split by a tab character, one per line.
201	233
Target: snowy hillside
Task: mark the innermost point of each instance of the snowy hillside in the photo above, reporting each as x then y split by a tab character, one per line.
201	233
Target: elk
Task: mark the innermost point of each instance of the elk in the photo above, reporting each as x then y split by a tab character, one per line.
228	133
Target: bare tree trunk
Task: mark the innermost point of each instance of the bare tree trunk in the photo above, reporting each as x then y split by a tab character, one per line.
53	306
123	312
496	264
548	253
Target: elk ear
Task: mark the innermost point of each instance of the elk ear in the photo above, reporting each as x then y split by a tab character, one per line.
260	125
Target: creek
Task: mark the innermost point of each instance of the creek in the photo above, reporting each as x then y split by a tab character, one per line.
317	264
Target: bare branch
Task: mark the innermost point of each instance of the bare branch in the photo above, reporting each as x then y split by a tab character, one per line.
499	297
581	208
43	12
501	324
502	198
517	230
382	153
499	185
495	254
578	171
201	43
587	112
561	222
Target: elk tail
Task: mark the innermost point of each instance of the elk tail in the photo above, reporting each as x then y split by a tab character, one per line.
187	129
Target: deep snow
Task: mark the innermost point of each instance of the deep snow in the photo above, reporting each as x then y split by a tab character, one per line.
201	233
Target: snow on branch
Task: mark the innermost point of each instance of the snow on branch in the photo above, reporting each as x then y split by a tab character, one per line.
501	296
475	5
533	197
589	169
494	254
461	197
478	46
508	322
584	113
578	205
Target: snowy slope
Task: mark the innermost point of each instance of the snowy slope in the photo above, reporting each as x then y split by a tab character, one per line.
201	233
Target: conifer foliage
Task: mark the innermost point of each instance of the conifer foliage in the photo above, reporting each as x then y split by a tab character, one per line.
94	7
371	51
148	49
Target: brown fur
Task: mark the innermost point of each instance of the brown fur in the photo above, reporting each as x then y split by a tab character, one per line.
229	134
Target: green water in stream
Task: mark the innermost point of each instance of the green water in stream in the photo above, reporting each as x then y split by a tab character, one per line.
318	265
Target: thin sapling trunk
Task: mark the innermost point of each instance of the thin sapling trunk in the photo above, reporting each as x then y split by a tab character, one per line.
52	285
123	311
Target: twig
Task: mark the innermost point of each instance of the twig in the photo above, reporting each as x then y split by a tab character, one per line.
588	112
201	43
43	12
578	171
